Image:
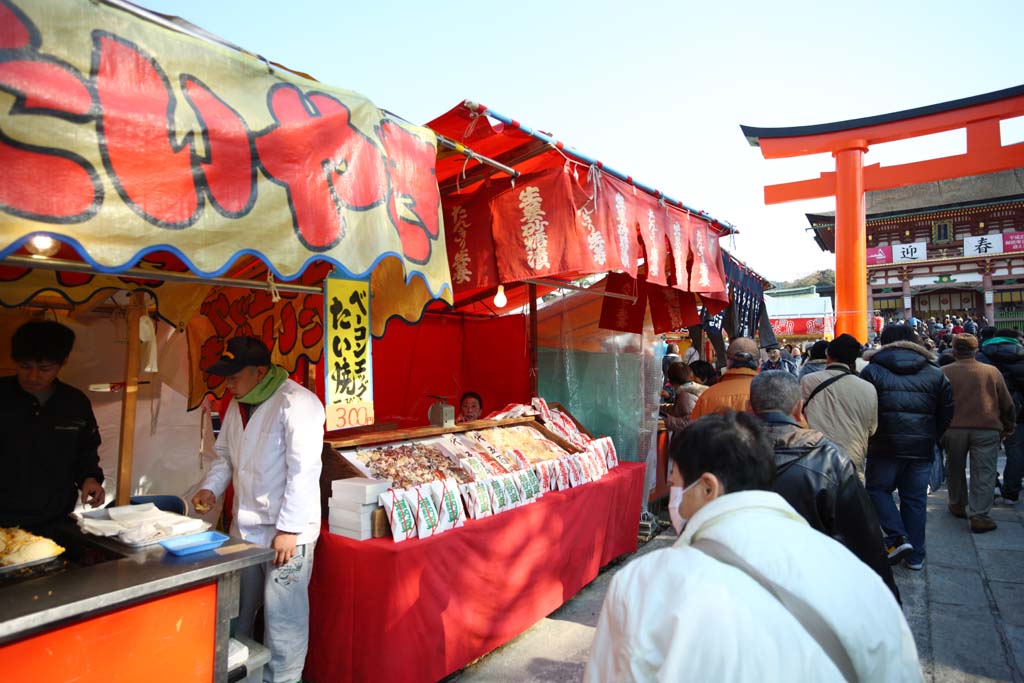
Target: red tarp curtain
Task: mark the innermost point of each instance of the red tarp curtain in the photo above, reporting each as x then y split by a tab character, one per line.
414	612
447	355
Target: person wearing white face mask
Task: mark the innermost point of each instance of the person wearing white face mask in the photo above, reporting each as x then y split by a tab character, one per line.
749	591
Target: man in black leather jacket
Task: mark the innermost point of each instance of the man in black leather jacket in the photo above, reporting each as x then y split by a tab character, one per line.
1005	351
815	476
915	407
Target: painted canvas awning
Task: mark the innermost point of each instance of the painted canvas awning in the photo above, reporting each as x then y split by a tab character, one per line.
131	134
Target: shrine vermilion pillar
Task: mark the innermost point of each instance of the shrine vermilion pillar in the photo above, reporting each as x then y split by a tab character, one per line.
848	141
851	233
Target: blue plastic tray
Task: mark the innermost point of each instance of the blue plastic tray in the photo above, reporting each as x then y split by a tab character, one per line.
194	543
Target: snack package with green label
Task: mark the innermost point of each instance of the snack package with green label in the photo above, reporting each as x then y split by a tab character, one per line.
499	499
400	514
523	486
512	491
419	500
538	490
445	494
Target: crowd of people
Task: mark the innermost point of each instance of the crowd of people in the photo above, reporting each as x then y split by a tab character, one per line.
783	485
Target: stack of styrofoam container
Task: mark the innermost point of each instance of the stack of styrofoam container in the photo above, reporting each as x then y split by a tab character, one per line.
352	504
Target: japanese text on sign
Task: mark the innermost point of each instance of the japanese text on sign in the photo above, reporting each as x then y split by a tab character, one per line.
918	251
983	244
348	381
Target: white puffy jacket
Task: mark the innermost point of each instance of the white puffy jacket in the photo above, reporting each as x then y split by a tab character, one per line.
275	464
679	615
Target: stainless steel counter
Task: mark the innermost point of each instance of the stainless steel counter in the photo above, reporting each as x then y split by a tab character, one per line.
39	604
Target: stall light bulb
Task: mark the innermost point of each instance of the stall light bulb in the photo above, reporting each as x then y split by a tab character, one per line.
43	245
500	300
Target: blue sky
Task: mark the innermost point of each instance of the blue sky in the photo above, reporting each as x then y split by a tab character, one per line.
656	89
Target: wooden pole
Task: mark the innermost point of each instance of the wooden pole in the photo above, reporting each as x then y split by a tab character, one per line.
534	378
129	399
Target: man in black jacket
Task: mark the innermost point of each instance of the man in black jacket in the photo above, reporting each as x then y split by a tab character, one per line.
48	434
815	476
1005	351
915	406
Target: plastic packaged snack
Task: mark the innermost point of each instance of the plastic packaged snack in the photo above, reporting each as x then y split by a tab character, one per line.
445	495
511	491
543	473
400	514
499	499
424	511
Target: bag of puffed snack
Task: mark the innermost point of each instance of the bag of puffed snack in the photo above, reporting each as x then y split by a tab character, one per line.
400	514
482	498
499	499
419	500
445	494
474	466
468	499
525	486
543	474
559	474
520	459
584	467
535	482
608	448
572	471
511	491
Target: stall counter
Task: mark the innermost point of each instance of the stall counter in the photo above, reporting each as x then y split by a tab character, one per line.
420	609
138	615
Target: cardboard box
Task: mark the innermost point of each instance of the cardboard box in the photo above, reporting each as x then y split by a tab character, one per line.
358	489
353	520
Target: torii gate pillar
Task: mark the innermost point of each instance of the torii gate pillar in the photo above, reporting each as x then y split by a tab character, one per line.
851	244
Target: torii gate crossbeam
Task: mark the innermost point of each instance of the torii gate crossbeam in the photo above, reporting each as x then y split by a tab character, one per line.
847	141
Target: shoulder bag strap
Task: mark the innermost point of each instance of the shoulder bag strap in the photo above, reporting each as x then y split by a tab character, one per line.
826	383
809	618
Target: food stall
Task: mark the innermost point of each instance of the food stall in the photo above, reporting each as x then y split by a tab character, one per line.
150	173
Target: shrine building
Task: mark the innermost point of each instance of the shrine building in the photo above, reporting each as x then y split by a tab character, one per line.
947	247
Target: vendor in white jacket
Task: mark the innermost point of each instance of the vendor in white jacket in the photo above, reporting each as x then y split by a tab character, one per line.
679	614
270	443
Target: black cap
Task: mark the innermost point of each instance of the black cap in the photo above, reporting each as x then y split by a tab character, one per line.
819	348
773	345
242	352
845	349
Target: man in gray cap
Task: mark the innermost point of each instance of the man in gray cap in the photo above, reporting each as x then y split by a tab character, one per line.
269	447
839	404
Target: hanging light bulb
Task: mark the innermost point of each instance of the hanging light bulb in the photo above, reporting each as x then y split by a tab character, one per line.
500	300
43	245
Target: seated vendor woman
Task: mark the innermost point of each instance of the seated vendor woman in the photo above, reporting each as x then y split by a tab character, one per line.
48	433
470	407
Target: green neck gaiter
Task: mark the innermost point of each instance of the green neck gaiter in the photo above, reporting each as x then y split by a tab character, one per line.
274	378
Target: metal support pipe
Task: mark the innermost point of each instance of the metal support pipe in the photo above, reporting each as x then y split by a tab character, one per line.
145	274
576	288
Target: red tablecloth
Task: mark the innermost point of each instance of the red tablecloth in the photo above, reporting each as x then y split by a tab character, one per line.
421	609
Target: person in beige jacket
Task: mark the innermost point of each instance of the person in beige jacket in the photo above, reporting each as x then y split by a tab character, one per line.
984	412
845	410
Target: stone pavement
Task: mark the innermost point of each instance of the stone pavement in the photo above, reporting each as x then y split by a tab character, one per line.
966	609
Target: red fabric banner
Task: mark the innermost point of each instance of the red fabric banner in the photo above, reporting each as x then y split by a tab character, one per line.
621	314
468	238
679	232
534	227
707	274
418	610
671	309
651	222
615	218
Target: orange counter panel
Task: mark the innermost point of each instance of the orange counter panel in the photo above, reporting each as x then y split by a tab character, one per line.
170	639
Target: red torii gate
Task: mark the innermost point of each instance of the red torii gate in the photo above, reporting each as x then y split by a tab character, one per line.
847	141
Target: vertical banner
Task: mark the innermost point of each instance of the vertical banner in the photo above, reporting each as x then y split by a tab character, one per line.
348	386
